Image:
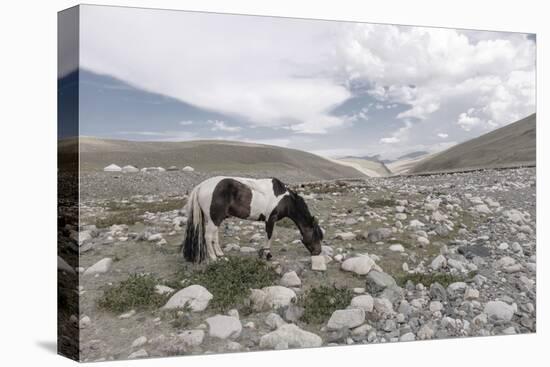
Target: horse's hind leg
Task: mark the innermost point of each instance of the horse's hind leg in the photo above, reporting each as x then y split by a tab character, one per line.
209	235
217	248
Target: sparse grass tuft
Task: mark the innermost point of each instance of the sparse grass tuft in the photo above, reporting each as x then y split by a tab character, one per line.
381	202
319	303
131	213
136	292
230	281
428	278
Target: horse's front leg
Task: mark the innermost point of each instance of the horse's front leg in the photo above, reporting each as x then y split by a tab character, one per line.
269	227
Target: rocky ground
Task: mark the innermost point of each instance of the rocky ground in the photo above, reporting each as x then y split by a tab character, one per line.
422	257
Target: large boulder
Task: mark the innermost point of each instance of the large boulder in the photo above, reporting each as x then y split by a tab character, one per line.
290	336
346	319
360	265
379	234
196	297
364	302
291	279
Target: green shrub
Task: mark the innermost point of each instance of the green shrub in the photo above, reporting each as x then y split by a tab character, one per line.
137	292
319	303
428	278
230	280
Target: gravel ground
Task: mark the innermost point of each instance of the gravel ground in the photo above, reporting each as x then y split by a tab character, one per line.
387	240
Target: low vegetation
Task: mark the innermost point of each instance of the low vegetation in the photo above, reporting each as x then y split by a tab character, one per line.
137	292
381	202
320	302
427	279
131	213
230	281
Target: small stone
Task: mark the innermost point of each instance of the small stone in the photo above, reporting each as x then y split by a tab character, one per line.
408	337
383	306
471	294
318	263
345	236
397	248
365	302
377	281
499	310
224	327
359	265
425	332
435	306
142	353
290	336
162	289
100	267
127	315
274	321
278	296
192	338
85	321
291	279
139	342
438	262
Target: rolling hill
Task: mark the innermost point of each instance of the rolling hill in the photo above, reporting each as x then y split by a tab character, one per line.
510	146
208	156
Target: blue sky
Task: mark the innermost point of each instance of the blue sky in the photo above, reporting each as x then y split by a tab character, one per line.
332	88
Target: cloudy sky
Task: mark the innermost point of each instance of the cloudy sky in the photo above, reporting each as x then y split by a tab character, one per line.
333	88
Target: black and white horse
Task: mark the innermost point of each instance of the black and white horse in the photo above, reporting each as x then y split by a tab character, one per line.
267	200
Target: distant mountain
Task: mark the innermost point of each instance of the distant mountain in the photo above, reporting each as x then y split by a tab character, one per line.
412	155
510	146
369	167
209	156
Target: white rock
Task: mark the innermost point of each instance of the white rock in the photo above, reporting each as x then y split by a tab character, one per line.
278	296
438	262
291	279
84	322
142	353
435	306
318	263
365	302
359	265
471	294
483	209
139	342
415	224
187	169
100	267
129	169
345	236
223	327
112	168
257	300
196	297
290	336
383	306
499	310
127	315
408	337
423	241
348	318
191	338
397	248
273	320
162	289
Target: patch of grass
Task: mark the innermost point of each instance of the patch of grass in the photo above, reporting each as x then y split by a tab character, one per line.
131	213
381	202
137	292
428	278
286	223
230	281
319	303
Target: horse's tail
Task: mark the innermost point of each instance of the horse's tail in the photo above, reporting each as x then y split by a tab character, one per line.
194	245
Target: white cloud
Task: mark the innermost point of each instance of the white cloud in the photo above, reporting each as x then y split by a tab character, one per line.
430	69
186	123
265	71
443	135
391	140
222	126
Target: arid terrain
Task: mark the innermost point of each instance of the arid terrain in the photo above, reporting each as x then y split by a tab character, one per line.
404	258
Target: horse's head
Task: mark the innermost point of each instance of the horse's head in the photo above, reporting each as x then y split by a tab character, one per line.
312	235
